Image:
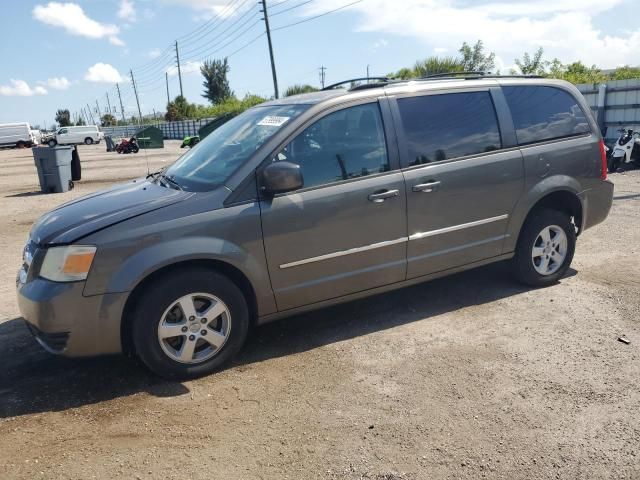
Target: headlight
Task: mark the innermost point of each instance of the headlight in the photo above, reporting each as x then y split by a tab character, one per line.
67	264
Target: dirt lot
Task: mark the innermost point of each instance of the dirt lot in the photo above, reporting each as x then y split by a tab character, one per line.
471	376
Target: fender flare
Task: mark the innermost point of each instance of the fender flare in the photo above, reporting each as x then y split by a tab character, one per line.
529	200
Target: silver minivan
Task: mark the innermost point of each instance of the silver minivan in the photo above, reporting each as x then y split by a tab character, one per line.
313	200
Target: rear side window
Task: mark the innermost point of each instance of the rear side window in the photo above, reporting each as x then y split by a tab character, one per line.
544	113
441	127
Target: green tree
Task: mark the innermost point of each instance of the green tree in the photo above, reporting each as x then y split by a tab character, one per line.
107	119
216	84
474	59
63	117
180	109
436	65
576	72
402	74
626	73
532	65
298	89
80	122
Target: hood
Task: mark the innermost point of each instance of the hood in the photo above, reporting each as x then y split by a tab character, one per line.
79	218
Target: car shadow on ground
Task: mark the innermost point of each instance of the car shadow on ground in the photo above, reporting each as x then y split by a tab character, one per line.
32	381
24	194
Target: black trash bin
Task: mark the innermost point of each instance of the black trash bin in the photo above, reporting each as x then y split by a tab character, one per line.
76	170
111	146
54	168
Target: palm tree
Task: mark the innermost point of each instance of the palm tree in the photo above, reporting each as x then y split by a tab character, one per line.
298	89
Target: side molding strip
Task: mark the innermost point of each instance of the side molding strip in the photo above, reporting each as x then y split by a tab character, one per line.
387	243
419	235
373	246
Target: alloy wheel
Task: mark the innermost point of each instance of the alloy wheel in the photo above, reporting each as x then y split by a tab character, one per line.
549	250
194	328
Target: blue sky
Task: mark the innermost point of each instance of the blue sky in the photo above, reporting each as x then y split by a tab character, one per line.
68	54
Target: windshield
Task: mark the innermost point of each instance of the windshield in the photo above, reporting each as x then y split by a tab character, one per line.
214	159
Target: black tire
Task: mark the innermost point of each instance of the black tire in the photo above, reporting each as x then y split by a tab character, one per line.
523	264
88	141
135	149
21	145
612	164
52	143
160	295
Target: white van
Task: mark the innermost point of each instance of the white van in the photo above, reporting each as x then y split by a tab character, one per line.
16	135
75	135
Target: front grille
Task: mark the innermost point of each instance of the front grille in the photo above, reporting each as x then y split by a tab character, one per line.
51	342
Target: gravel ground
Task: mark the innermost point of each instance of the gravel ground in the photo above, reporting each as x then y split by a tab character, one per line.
470	376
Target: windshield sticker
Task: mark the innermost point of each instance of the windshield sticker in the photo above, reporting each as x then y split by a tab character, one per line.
273	121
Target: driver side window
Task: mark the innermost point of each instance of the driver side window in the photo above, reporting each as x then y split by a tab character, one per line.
346	144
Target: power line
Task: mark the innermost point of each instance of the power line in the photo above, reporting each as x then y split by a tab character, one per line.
315	16
208	22
211	52
291	8
222	17
251	11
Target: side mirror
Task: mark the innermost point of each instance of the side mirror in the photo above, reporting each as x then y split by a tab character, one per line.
281	177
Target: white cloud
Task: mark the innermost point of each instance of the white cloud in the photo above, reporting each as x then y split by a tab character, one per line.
103	73
208	8
56	83
127	11
380	43
72	18
155	53
565	28
20	88
186	68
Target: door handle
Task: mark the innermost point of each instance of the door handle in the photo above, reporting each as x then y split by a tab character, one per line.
381	196
426	187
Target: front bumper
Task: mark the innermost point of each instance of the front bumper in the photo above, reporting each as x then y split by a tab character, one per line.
68	323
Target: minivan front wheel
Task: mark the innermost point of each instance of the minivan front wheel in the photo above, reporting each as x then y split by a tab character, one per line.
88	141
545	248
189	324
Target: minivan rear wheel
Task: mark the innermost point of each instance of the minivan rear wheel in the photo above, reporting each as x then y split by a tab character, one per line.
545	248
189	324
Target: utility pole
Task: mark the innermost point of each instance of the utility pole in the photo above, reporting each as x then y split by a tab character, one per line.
273	64
135	90
121	107
98	110
179	71
166	77
322	69
92	119
367	73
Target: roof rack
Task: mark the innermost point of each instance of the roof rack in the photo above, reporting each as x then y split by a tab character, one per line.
380	81
384	81
467	73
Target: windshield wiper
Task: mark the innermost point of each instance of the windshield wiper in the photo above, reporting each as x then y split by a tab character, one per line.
170	180
154	174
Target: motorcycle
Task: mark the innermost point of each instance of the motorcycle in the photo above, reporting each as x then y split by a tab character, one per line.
190	141
128	146
625	150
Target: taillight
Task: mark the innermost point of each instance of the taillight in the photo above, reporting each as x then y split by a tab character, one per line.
603	159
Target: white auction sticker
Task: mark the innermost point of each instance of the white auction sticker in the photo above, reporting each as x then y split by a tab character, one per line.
273	121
